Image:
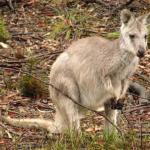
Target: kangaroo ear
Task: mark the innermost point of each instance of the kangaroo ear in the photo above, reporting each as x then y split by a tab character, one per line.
145	19
126	16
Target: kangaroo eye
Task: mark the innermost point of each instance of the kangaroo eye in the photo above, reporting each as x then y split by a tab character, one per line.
132	36
145	36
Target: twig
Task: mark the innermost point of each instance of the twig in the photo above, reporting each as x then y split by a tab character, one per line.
9	67
9	130
17	34
73	100
142	77
10	5
14	62
56	53
134	109
99	113
126	118
138	96
6	57
134	143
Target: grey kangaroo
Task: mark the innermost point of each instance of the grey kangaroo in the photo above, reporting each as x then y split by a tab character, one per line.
92	71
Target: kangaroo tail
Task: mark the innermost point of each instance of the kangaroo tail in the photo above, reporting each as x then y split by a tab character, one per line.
49	125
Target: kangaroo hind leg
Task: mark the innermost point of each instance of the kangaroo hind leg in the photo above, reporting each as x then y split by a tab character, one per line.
67	113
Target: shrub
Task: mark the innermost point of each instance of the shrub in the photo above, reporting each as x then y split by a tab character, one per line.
32	87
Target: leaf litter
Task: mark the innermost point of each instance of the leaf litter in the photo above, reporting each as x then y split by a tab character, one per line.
30	48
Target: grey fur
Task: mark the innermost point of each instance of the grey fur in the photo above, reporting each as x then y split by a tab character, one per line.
92	71
142	92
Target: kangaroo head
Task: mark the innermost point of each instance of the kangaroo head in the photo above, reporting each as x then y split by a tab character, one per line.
134	32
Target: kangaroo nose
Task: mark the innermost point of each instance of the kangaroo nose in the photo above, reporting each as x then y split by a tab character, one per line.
141	52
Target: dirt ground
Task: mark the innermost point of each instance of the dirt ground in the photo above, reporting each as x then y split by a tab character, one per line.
30	47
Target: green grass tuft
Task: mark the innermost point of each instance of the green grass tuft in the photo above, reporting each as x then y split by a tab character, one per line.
74	141
115	35
61	2
4	34
112	35
70	23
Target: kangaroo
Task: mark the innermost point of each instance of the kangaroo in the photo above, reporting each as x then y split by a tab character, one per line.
92	71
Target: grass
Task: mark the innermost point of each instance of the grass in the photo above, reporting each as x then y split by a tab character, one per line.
61	2
32	87
94	141
115	35
76	22
75	141
91	141
70	23
72	140
4	34
112	35
29	85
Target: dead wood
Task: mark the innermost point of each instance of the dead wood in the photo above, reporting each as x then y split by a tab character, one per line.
8	3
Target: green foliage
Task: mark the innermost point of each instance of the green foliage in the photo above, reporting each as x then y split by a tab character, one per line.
29	85
92	141
70	23
113	141
4	34
115	35
2	91
32	87
32	62
61	2
112	35
75	141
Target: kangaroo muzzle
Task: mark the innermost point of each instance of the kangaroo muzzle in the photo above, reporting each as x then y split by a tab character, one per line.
141	52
